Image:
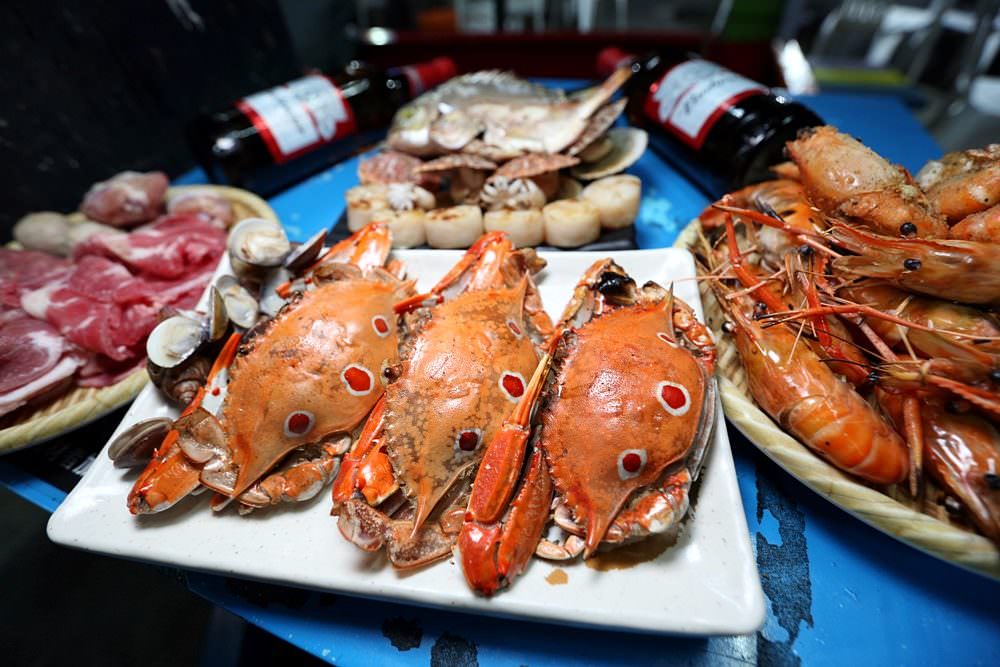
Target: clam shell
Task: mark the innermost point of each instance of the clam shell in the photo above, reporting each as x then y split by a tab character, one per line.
258	243
629	145
174	340
218	318
241	306
135	445
306	253
597	150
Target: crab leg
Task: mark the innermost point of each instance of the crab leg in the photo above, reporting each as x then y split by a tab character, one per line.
171	474
300	477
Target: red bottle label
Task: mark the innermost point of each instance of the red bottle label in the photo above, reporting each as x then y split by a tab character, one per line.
298	116
693	95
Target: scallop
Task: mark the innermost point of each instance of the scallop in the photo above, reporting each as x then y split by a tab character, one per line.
407	227
362	202
629	143
525	227
174	340
453	227
570	223
616	199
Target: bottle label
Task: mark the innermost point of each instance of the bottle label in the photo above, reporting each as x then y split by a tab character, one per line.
298	116
693	95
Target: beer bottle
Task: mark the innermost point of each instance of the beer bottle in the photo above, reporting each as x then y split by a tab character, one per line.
276	137
720	129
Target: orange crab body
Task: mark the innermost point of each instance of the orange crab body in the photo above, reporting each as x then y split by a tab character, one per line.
465	372
313	373
616	420
626	405
468	349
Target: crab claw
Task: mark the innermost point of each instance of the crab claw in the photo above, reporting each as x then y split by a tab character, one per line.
481	264
492	552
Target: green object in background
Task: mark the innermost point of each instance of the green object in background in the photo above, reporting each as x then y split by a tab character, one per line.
753	20
859	76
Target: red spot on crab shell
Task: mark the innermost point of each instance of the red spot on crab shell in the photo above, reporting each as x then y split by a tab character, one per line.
665	338
381	326
468	440
216	391
298	423
515	329
512	385
359	380
674	397
632	462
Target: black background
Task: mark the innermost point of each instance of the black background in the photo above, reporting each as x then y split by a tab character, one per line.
91	88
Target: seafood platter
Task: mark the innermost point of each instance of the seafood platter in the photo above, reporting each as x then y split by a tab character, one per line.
488	151
854	307
499	430
79	293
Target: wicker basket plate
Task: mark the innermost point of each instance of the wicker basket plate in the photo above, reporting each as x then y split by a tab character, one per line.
934	536
82	405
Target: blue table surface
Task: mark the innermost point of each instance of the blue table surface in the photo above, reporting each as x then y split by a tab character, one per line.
838	591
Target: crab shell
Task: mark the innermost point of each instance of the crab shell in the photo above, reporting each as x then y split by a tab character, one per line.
465	371
625	405
312	373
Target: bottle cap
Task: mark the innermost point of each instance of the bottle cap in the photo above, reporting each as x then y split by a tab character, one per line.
611	58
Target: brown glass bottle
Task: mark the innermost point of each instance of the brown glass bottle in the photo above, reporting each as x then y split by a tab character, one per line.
720	129
271	139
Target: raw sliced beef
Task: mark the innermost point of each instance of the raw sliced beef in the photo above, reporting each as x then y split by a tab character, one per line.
172	246
35	361
29	349
28	269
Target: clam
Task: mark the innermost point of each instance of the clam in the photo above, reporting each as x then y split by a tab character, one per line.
218	319
256	245
240	305
270	301
629	145
306	253
135	445
174	340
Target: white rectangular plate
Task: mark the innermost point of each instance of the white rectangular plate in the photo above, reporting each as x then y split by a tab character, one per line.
706	583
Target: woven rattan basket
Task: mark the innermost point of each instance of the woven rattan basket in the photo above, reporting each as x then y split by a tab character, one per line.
78	406
933	535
